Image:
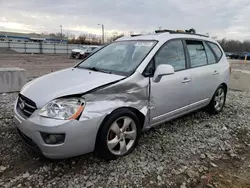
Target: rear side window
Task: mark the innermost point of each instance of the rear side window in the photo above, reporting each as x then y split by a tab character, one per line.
173	54
216	49
210	55
197	53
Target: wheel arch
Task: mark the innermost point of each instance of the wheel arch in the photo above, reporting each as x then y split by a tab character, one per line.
137	112
222	84
140	115
225	86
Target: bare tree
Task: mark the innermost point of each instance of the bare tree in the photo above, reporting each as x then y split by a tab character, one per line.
115	37
81	39
235	45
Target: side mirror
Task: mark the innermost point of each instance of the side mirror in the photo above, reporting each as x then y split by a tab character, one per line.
162	70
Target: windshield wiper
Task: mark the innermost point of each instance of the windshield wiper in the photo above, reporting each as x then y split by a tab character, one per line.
98	69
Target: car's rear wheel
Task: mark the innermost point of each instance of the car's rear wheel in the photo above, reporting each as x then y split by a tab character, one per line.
217	103
118	135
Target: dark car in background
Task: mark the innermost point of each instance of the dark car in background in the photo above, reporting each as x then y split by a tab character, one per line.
228	54
234	55
244	54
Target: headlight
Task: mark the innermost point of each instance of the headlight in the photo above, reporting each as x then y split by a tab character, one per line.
64	108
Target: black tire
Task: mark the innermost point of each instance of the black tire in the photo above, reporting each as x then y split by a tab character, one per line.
101	148
211	108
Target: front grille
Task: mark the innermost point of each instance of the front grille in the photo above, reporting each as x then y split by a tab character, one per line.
25	106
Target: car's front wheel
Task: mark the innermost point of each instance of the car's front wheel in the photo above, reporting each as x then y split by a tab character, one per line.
118	135
217	103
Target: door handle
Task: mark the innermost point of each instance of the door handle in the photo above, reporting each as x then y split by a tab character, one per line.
215	72
185	80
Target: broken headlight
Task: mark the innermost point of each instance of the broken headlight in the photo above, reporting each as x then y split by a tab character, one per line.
63	108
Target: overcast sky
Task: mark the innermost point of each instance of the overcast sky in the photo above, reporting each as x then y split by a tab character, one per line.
222	18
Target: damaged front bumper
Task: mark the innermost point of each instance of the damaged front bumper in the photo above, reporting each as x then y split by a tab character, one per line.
80	136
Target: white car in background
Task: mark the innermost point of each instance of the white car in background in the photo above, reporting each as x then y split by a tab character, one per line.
80	52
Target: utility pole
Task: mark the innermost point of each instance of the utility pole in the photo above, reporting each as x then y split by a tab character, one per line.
102	33
61	32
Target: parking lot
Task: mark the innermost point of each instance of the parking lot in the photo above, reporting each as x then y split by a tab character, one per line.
197	150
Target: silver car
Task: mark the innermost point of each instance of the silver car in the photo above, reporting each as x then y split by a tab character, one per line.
105	102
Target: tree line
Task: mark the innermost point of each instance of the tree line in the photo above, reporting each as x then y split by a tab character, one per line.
86	39
92	39
229	45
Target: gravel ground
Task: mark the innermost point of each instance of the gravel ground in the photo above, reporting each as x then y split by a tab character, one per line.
197	150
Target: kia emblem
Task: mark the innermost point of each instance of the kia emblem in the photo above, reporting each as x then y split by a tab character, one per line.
22	105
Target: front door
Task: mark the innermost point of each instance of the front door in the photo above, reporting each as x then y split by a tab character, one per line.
170	96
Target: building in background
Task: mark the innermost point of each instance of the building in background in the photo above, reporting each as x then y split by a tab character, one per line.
30	37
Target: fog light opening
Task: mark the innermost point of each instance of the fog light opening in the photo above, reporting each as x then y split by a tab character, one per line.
53	138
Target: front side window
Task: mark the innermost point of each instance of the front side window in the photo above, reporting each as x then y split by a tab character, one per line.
197	53
216	49
121	57
172	54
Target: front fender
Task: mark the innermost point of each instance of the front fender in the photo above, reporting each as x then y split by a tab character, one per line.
133	94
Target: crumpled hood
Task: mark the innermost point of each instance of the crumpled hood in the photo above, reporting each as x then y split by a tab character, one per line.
65	82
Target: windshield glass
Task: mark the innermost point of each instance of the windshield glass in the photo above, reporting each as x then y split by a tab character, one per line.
121	57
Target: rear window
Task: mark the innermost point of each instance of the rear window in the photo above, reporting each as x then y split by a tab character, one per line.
216	49
197	53
211	59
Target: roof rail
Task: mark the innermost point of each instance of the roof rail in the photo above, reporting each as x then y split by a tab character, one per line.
164	30
135	35
189	32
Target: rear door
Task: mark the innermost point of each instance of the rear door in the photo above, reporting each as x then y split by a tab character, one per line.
204	72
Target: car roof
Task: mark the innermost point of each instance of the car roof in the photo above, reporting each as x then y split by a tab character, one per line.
165	36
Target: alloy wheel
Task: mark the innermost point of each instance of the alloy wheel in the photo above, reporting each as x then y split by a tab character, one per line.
219	99
121	135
